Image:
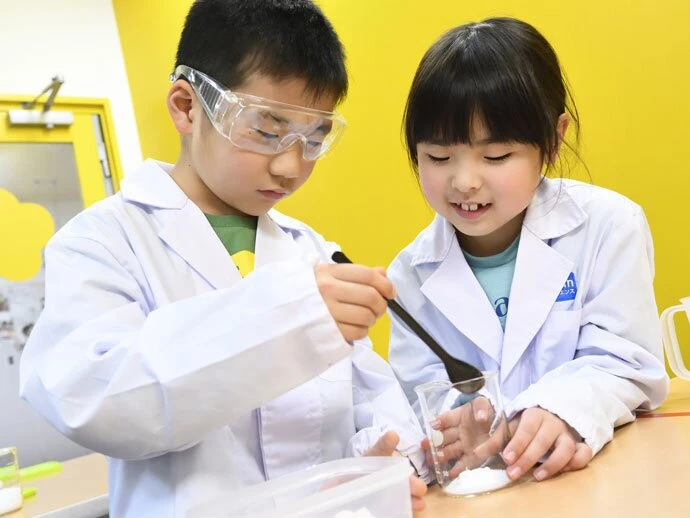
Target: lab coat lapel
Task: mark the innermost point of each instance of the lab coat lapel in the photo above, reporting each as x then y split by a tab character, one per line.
189	234
455	291
183	226
274	244
540	271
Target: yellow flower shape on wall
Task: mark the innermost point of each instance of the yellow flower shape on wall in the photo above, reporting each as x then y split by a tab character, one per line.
25	228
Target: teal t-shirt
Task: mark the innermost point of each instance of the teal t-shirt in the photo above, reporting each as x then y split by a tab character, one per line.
495	275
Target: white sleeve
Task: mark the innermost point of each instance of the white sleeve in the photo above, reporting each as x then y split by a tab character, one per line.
380	405
618	365
134	385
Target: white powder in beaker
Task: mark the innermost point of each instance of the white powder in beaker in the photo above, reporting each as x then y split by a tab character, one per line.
473	481
10	499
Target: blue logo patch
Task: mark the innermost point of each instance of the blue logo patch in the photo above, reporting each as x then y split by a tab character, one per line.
569	289
501	306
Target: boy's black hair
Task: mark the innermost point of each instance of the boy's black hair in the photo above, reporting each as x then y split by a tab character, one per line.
501	71
282	39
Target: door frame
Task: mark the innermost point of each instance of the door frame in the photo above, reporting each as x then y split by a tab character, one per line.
78	134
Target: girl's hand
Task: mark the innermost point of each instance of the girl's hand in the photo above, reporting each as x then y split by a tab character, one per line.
537	432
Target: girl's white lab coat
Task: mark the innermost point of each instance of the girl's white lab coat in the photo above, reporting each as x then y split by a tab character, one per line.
582	337
151	351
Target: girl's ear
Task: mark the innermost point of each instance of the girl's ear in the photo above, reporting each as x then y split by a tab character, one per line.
180	97
561	128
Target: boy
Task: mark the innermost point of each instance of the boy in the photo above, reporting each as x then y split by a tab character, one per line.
197	338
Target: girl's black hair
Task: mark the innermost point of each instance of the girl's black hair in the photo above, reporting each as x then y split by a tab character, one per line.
501	71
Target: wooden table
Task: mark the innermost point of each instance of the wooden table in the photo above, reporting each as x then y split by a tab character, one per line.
644	472
80	490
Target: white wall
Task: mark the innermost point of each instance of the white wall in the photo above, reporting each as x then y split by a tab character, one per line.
77	39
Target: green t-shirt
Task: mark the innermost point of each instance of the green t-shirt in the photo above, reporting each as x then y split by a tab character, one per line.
238	235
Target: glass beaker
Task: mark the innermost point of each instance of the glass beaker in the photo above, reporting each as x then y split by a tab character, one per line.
468	431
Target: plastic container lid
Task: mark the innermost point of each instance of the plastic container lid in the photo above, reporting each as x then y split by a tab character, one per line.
368	486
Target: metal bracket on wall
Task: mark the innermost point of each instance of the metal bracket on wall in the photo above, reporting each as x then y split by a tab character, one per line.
54	87
30	116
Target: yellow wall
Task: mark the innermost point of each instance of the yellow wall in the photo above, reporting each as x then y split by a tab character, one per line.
628	64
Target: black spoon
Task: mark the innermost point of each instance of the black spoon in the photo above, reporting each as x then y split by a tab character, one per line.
458	370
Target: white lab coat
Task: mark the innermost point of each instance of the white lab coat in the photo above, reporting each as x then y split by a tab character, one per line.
592	359
154	351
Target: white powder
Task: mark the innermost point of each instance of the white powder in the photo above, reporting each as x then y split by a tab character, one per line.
474	481
10	499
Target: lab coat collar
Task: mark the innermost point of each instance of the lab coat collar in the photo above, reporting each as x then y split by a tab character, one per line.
152	185
552	213
186	230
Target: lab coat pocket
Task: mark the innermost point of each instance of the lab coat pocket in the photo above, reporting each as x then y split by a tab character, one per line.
341	371
338	420
556	342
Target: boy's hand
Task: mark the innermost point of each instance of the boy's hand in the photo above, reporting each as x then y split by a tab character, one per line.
385	447
355	296
537	432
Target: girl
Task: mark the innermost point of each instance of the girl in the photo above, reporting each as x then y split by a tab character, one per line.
547	281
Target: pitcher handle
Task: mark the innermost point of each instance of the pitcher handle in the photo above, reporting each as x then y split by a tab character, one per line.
670	338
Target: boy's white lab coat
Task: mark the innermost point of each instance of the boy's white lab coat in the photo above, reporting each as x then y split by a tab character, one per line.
151	351
586	347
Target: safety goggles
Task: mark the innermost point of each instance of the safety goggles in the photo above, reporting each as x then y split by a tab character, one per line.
262	125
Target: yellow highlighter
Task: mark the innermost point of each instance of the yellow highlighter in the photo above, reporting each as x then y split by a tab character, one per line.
31	472
28	492
40	470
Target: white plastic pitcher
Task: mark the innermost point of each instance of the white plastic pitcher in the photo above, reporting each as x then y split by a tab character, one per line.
670	338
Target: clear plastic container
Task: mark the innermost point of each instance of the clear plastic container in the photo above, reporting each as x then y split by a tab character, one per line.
10	488
468	430
363	487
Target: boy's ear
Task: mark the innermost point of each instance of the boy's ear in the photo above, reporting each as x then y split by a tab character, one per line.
179	102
